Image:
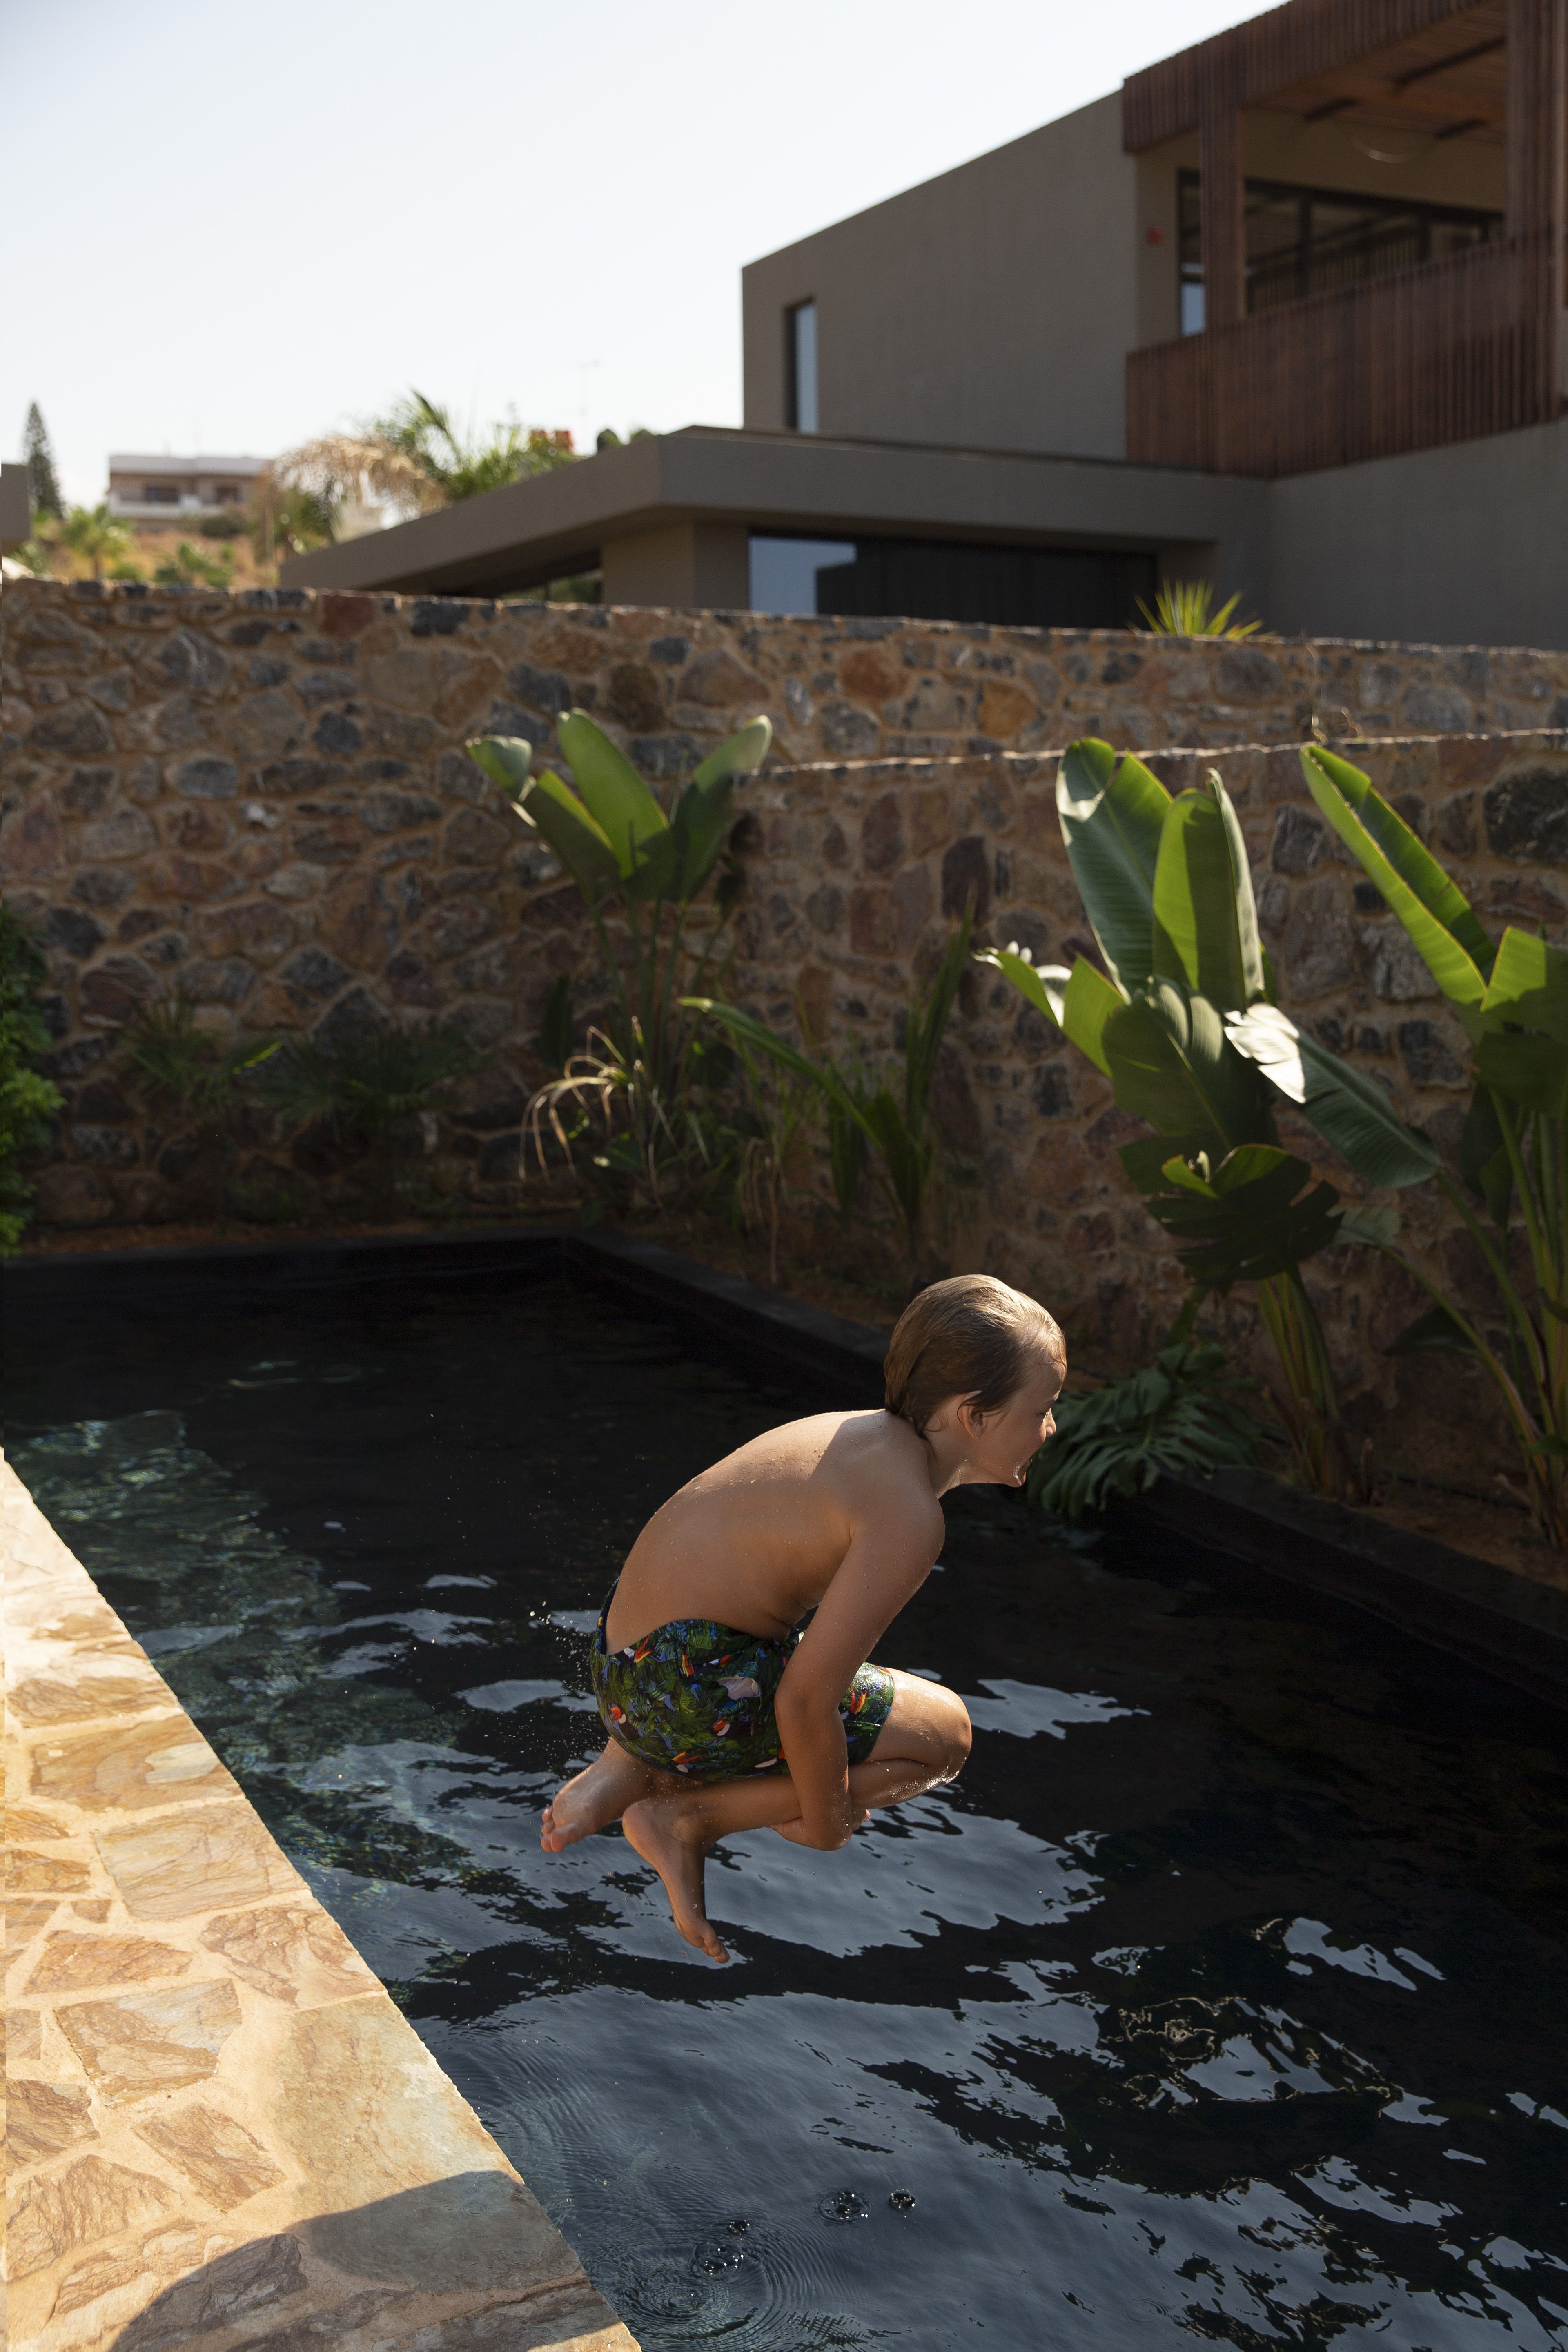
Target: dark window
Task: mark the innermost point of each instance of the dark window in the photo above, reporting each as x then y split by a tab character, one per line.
227	494
159	494
1019	587
800	368
1304	241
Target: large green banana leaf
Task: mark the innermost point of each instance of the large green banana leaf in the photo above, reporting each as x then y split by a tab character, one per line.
1205	914
1348	1110
738	755
1111	810
1172	1064
1530	1071
613	794
1433	909
1529	986
1242	1220
1080	1001
1484	1161
552	808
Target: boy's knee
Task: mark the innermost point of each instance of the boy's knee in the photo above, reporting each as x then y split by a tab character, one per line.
958	1733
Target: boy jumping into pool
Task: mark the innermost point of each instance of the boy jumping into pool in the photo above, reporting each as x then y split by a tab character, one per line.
704	1680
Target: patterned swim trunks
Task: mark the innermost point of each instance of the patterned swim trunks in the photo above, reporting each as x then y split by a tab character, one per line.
697	1697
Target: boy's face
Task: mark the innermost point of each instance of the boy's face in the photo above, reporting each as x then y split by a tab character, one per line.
1004	1442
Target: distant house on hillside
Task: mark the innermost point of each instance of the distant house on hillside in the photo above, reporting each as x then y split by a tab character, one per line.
1286	311
180	490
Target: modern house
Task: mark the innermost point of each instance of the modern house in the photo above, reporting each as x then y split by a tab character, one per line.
1287	311
180	490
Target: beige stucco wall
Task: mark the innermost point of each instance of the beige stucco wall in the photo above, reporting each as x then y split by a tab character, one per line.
990	307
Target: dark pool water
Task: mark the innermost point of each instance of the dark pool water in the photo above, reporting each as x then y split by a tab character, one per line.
1223	1997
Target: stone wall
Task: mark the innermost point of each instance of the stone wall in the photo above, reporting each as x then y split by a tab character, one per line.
261	802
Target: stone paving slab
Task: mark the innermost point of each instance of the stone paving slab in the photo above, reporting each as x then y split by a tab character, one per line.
222	2133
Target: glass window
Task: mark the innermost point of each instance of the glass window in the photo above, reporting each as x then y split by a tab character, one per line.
159	494
800	337
1310	240
784	570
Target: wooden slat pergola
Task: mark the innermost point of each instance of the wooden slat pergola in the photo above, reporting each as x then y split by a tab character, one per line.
1284	391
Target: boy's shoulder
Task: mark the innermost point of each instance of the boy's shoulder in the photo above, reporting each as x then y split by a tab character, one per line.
885	1471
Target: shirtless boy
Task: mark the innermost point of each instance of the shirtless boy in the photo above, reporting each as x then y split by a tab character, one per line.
705	1682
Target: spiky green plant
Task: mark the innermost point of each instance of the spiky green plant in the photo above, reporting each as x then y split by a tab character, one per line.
1185	608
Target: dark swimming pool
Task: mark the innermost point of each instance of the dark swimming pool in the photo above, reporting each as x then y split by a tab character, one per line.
1223	1997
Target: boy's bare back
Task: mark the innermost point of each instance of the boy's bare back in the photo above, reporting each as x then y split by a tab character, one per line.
755	1541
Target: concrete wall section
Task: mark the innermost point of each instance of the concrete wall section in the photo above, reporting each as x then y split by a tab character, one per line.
989	308
1464	544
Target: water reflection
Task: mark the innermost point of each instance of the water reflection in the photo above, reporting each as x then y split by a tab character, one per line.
1220	1998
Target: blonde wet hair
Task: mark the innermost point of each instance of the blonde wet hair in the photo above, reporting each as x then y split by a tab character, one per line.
973	1337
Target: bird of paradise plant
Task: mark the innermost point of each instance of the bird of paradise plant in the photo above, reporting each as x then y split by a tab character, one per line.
639	1089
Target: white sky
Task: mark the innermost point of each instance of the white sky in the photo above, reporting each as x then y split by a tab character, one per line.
230	227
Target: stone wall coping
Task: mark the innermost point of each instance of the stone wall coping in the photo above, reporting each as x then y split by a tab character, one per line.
220	2125
299	599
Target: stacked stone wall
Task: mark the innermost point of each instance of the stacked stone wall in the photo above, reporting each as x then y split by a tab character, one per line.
261	802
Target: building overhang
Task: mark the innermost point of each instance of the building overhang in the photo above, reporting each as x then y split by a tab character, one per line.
1428	66
787	483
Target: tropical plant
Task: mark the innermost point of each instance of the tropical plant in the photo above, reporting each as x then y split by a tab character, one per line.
895	1122
463	466
1176	1418
1186	983
28	1101
412	460
1512	999
557	1026
288	521
1185	608
779	1103
647	1073
360	1085
95	536
189	568
175	1061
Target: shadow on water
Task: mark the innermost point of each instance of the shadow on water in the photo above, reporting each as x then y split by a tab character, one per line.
1222	1997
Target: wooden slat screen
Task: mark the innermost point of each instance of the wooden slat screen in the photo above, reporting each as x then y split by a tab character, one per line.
1444	352
1271	53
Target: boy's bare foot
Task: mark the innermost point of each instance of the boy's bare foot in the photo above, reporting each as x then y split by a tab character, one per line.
669	1835
593	1798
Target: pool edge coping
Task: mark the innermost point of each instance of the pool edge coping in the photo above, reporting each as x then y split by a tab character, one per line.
198	2195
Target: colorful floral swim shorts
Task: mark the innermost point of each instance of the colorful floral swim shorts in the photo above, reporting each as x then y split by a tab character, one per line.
696	1697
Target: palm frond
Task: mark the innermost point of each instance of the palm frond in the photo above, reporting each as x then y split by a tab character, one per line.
1177	1417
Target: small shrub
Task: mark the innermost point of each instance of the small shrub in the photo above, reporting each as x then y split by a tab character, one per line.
1176	1418
28	1101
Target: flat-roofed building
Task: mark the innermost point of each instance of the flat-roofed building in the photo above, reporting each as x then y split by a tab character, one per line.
1287	312
167	489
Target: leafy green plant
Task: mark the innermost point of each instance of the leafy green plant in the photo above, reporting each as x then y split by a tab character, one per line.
1185	608
362	1085
896	1122
28	1101
174	1061
1176	1418
95	535
189	568
1512	999
1170	1021
642	1088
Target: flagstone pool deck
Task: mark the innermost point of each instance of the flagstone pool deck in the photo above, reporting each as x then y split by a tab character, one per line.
222	2133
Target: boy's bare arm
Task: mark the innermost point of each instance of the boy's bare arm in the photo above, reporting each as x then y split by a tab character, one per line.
896	1539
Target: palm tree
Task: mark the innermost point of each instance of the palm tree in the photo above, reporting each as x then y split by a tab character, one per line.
412	459
95	535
